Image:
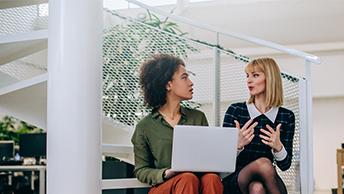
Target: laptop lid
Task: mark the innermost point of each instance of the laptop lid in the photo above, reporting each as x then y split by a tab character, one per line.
204	149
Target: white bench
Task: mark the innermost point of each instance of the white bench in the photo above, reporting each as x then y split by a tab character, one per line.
120	183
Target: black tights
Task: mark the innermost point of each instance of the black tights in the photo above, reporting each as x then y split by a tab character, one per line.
260	177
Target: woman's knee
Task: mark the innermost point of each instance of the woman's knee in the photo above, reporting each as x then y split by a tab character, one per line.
211	183
256	187
265	167
264	161
211	178
188	177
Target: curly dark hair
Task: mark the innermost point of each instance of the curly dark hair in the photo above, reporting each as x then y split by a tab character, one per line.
154	75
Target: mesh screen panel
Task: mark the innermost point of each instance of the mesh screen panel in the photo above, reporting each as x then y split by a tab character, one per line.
23	19
21	70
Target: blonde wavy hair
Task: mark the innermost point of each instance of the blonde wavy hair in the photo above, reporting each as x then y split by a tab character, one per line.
273	80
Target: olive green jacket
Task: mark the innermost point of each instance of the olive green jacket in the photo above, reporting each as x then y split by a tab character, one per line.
152	142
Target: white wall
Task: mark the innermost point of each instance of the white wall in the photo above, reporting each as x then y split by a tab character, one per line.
327	78
328	136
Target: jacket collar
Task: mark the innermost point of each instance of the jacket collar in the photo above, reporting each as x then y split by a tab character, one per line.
183	111
254	112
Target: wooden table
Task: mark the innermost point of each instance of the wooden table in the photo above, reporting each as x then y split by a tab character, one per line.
340	164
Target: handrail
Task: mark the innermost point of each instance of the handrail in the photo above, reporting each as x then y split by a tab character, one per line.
308	57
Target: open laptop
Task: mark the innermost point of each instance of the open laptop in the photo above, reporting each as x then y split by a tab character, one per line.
204	149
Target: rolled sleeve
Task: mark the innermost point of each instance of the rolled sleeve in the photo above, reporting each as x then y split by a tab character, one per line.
281	155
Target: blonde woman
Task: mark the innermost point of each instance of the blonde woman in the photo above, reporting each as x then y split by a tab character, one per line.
266	132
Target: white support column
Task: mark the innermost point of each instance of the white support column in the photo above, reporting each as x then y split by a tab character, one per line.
216	101
303	136
310	165
74	96
306	133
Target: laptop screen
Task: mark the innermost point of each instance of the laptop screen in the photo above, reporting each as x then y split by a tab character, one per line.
204	149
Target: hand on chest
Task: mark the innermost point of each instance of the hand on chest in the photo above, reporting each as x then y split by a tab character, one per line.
262	122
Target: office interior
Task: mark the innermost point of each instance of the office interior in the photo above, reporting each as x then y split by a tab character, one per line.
42	79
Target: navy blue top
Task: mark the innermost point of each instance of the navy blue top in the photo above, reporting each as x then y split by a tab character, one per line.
256	148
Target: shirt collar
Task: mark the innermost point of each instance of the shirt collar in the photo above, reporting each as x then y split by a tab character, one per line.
254	112
155	112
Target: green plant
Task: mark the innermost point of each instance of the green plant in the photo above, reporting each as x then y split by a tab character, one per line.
11	128
125	47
